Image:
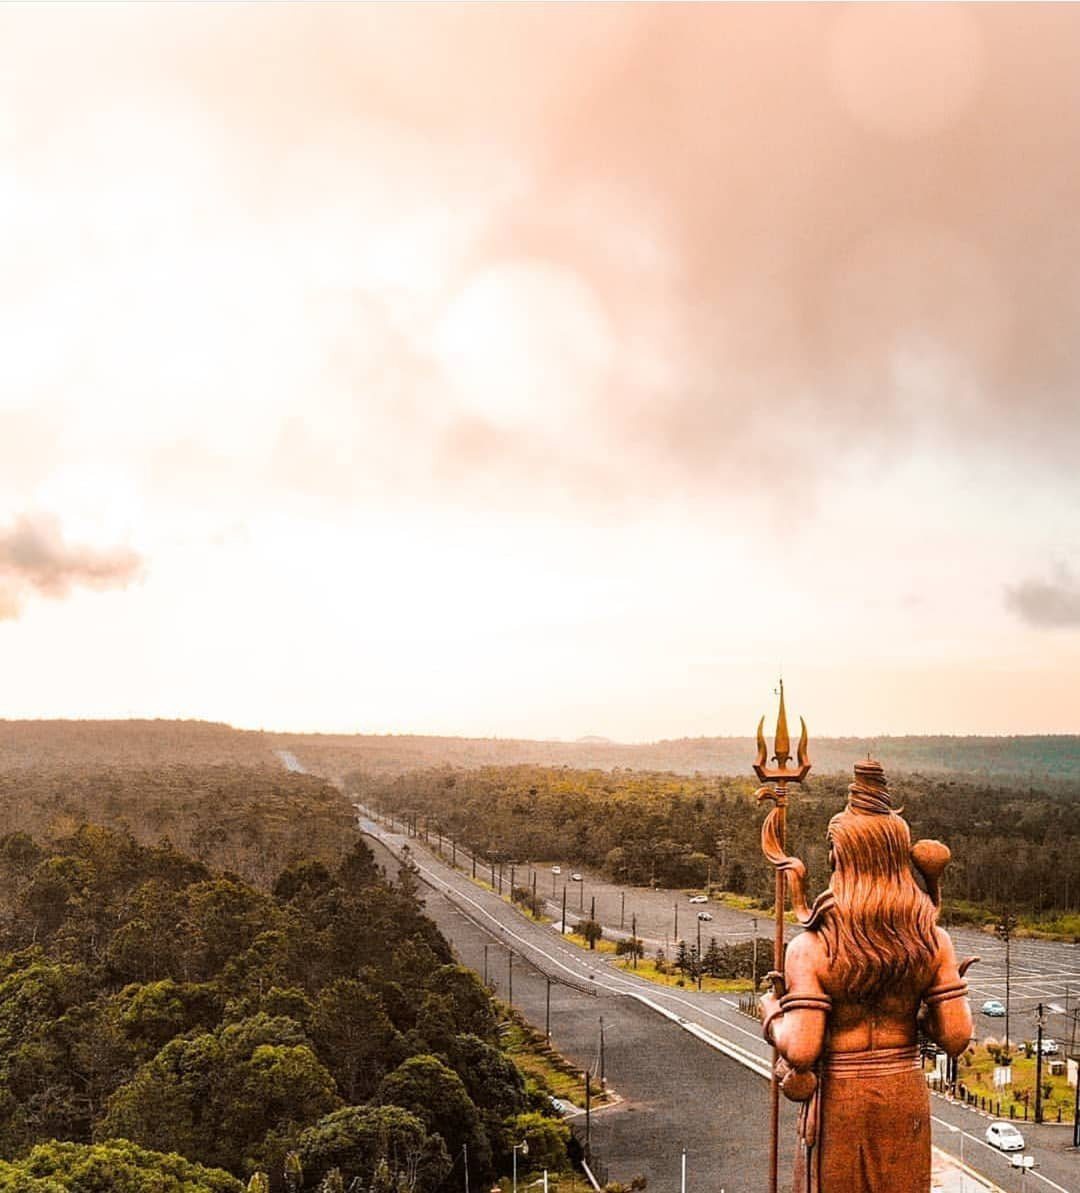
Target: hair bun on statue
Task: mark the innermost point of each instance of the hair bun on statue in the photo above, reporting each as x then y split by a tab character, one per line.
870	791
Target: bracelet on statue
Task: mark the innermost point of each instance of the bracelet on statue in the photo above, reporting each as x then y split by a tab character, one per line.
939	994
806	1002
767	1022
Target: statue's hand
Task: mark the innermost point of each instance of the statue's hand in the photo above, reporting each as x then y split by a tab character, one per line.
795	1086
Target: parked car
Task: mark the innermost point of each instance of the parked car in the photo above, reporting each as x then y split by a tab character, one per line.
699	898
575	878
1005	1137
993	1008
704	915
1049	1047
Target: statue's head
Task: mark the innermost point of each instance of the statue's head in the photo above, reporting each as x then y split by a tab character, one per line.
878	928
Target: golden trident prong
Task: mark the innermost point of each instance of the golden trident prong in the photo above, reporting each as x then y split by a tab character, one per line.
781	751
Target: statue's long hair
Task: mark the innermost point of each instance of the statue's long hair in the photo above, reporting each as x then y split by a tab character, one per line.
878	928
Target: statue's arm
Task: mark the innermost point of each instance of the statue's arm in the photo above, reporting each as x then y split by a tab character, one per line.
796	1023
948	1011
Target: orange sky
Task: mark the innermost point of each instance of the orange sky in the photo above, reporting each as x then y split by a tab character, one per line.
541	370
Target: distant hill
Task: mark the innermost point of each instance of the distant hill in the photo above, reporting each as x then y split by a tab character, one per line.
150	743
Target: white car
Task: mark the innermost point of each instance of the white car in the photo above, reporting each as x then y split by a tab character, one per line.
699	898
1050	1047
704	915
1005	1137
575	878
556	869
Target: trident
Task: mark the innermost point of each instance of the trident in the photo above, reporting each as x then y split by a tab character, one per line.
775	830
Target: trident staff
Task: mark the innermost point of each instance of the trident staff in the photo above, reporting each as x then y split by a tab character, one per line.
773	836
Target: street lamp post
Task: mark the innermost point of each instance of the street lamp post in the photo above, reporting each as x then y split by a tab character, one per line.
1040	1019
522	1147
1004	930
754	922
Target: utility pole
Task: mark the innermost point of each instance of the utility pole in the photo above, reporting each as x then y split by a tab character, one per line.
588	1111
592	908
547	1011
474	863
562	922
633	940
492	860
1004	930
453	852
602	1080
581	897
699	965
485	966
676	923
754	922
1076	1117
513	879
1039	1019
465	1156
622	910
500	877
534	887
510	974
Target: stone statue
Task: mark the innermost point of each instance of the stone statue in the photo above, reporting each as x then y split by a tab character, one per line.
871	968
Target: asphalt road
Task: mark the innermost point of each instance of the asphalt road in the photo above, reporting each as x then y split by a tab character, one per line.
709	1019
666	1083
1042	971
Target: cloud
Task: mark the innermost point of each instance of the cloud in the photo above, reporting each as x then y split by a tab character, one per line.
791	236
1047	604
35	559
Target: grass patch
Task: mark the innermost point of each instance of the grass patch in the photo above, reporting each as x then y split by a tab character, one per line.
977	1074
647	968
602	945
541	1064
1062	926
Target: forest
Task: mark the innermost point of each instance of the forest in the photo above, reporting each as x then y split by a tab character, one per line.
1013	846
206	981
1016	760
251	821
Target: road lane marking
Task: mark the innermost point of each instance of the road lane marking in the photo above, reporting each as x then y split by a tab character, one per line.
625	988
